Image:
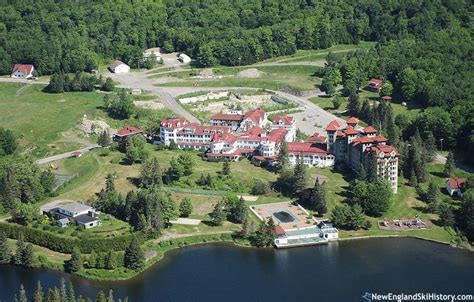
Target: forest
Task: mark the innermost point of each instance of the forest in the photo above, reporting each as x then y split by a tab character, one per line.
62	36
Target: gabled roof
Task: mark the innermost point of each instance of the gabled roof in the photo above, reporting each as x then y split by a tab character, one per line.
23	68
385	150
283	119
456	183
130	130
116	63
352	121
370	129
375	82
333	126
255	115
173	122
349	130
226	117
317	138
386	98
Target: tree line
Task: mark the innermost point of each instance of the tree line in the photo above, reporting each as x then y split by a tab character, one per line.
68	37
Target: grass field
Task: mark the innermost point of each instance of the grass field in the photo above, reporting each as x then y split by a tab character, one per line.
40	119
301	77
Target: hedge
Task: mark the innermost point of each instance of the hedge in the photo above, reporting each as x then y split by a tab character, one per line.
64	244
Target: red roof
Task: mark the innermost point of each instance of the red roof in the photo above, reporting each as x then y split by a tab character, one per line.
284	119
375	82
23	68
197	129
279	231
173	122
128	131
368	140
385	149
352	121
276	135
370	129
224	137
255	115
350	131
387	98
226	117
305	148
316	138
333	126
456	183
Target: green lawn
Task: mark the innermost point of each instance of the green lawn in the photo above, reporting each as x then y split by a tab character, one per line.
301	77
39	119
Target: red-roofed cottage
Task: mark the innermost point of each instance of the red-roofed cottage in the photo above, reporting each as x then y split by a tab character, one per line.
454	186
22	71
375	85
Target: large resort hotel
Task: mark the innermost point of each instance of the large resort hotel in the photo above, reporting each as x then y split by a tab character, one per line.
294	226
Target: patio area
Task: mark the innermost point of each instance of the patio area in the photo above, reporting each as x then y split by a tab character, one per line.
286	214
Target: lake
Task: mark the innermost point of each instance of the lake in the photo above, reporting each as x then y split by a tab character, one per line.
340	271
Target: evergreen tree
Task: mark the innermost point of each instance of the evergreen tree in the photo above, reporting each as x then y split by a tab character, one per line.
134	257
5	253
365	111
74	264
186	161
20	249
175	171
71	294
282	157
226	168
339	216
27	257
430	145
23	297
356	217
92	260
185	207
319	200
38	295
446	215
354	106
300	177
362	175
9	190
432	193
150	174
48	181
372	174
100	297
63	290
265	234
449	165
238	211
104	139
218	214
111	260
109	183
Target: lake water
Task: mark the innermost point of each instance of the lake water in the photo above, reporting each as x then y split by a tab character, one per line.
341	271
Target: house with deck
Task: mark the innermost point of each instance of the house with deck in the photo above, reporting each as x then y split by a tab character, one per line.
77	212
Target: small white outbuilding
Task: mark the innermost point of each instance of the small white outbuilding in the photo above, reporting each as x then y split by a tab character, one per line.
118	66
184	58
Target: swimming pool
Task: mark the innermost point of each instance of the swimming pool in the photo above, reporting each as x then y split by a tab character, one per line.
284	216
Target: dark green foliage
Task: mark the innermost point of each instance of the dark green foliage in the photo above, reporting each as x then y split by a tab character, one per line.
48	181
237	210
110	260
62	244
261	187
449	165
174	172
337	102
8	143
315	198
119	106
446	215
348	217
108	85
5	252
431	195
300	177
185	207
226	168
218	215
60	83
265	234
134	256
375	198
135	149
20	249
282	159
187	162
75	264
466	219
104	139
150	174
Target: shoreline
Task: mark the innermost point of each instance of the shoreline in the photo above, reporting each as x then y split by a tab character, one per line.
163	247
